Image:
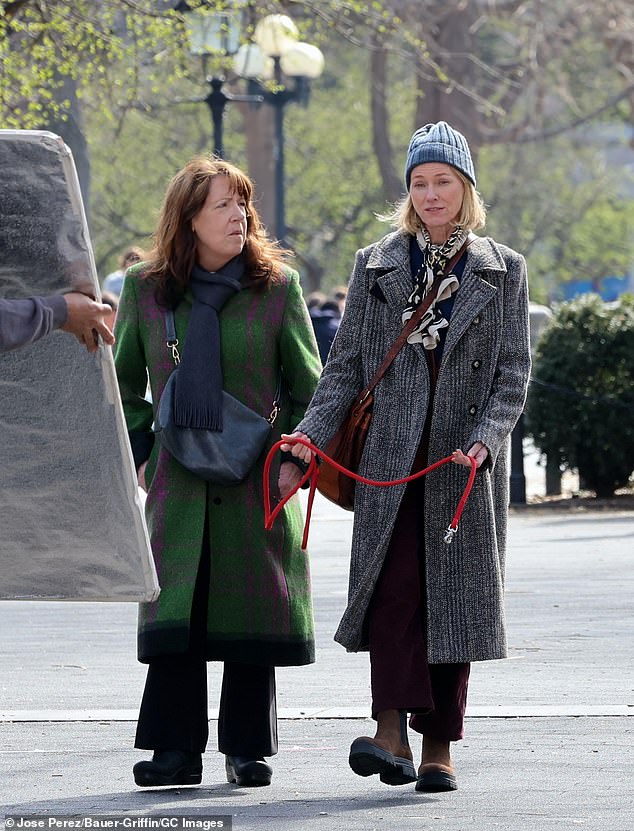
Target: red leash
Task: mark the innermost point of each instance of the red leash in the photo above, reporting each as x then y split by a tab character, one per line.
313	474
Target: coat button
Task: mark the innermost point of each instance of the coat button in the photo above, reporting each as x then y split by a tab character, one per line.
217	500
473	409
476	319
476	364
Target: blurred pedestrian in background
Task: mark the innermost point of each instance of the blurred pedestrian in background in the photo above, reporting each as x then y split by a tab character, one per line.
114	281
326	319
315	299
424	610
339	295
230	591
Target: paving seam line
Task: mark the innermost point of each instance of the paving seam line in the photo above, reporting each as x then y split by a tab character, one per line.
334	714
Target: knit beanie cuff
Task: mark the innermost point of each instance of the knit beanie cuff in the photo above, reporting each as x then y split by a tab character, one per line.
439	143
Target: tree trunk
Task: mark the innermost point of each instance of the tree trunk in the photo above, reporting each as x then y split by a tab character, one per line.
440	100
259	131
392	185
69	125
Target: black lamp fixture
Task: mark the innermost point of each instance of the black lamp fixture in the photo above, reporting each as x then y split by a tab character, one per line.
211	33
277	53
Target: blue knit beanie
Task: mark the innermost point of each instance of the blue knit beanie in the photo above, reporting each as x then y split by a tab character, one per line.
439	143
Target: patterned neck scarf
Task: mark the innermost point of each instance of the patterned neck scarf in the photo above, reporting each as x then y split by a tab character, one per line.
435	258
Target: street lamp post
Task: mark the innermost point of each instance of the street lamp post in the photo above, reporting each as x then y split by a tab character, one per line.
275	53
216	101
279	100
211	32
517	479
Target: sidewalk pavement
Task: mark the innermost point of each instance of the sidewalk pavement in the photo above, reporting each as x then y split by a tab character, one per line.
549	734
514	775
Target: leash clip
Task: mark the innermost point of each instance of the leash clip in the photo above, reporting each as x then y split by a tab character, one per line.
450	533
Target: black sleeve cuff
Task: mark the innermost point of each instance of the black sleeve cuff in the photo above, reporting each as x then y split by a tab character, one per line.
142	445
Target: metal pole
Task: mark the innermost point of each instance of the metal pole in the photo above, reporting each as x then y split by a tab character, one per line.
216	100
279	102
553	475
517	482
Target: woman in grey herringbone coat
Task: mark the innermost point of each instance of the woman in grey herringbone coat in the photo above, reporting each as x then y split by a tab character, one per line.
424	609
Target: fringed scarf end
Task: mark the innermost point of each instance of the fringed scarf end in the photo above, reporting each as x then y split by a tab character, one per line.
200	418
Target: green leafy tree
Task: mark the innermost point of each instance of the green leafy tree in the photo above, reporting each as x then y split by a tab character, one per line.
517	76
581	403
563	206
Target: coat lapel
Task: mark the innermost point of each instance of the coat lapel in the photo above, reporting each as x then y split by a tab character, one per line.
475	291
390	274
390	277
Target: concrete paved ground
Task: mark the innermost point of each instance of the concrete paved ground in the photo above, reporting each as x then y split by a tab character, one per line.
550	731
531	774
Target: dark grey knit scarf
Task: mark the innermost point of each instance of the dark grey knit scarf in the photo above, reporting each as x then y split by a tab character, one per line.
198	390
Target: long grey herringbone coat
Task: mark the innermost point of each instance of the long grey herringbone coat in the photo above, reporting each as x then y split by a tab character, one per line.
480	393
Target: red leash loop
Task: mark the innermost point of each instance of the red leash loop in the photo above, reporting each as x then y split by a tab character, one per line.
270	515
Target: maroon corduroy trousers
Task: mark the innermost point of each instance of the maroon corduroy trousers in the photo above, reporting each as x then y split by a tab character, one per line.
401	676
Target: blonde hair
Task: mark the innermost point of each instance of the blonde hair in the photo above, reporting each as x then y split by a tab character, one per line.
472	213
174	245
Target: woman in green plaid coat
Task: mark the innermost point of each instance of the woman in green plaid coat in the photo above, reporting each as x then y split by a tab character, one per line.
230	591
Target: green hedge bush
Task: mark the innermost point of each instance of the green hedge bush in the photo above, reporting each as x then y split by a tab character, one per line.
580	405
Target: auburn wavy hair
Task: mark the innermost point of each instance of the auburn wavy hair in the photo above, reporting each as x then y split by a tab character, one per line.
170	262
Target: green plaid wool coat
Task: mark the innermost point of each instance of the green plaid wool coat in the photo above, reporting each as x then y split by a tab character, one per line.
259	608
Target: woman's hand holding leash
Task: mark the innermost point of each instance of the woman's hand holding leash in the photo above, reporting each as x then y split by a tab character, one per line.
300	450
478	451
290	474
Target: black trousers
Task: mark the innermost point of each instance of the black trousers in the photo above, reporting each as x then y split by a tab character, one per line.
174	708
174	714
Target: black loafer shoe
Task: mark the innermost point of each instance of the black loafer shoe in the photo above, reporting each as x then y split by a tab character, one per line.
435	780
169	767
247	771
367	758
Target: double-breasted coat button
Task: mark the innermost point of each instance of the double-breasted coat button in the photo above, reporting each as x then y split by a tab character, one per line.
476	364
217	500
473	409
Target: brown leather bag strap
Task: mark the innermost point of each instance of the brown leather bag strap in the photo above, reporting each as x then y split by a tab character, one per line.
411	324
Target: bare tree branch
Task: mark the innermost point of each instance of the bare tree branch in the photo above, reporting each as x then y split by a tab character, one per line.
520	135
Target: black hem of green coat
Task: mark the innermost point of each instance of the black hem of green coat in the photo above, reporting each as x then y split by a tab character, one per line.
243	650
